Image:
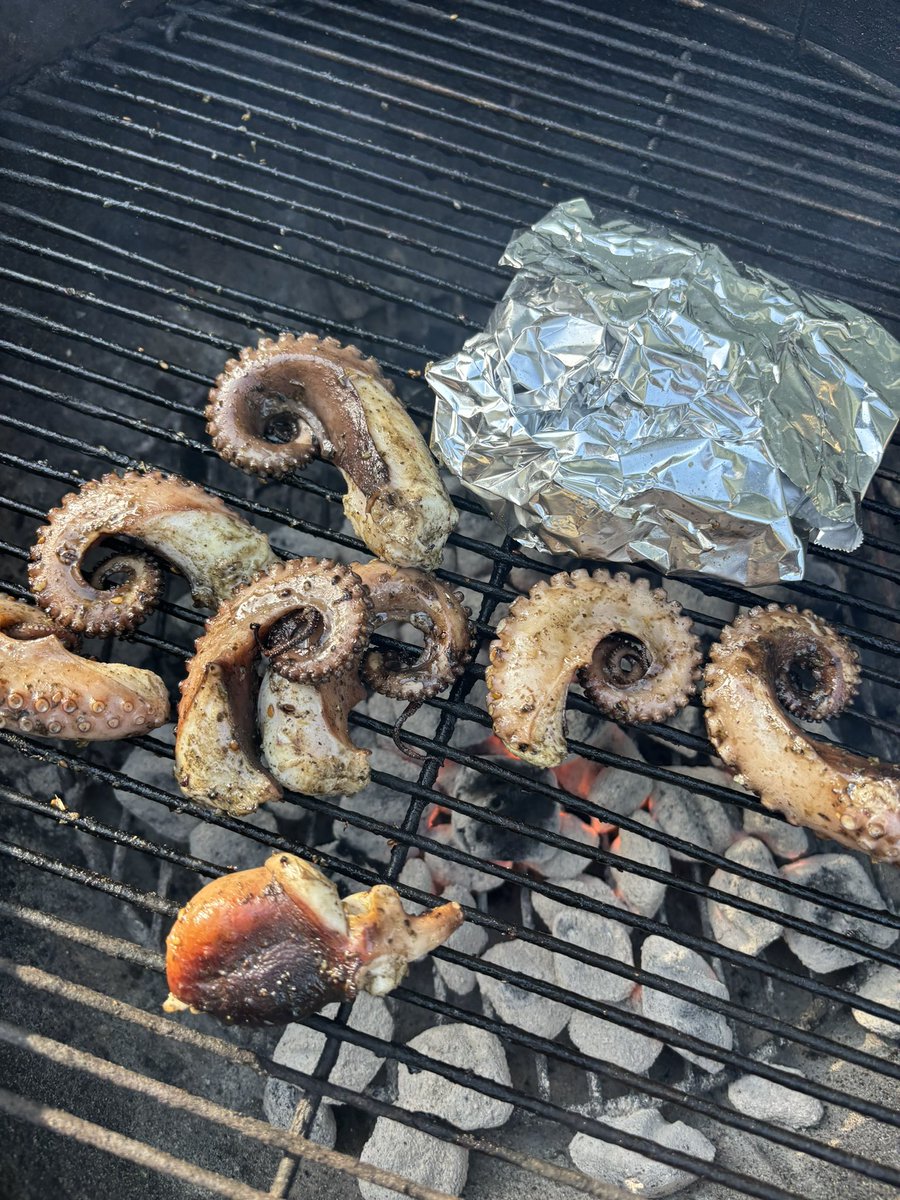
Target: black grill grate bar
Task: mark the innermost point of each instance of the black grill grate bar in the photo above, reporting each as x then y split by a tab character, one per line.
758	64
429	845
250	320
88	1133
418	1061
53	985
129	952
643	51
476	126
762	1021
291	202
555	101
197	1106
506	557
492	160
482	265
221	211
726	149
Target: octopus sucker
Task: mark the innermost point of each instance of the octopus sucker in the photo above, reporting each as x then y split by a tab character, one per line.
216	762
289	400
276	943
629	647
47	691
304	728
194	532
409	595
775	659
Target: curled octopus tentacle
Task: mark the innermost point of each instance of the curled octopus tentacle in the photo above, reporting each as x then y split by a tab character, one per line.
47	691
289	400
630	647
214	548
216	762
775	659
305	733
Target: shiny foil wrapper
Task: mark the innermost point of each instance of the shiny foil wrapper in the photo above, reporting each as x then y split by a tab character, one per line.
637	397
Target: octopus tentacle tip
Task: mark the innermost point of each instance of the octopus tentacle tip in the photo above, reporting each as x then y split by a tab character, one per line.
50	692
284	402
785	663
215	549
626	644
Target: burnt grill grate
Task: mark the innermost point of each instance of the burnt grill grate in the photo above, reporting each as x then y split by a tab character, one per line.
165	197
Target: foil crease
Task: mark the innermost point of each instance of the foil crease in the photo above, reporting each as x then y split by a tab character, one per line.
637	397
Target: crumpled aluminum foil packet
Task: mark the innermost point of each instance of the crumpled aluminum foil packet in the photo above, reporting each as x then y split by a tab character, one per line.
637	397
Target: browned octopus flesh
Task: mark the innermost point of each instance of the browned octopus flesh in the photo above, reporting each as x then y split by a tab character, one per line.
214	548
629	646
276	943
285	402
777	663
303	718
49	691
309	619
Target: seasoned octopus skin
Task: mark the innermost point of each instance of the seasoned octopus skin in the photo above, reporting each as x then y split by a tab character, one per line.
215	549
276	943
216	762
304	727
750	691
48	691
305	736
630	647
338	406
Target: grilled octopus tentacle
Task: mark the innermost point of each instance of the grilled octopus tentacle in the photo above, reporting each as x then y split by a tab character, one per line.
47	691
753	675
276	943
284	402
215	759
305	735
214	548
632	651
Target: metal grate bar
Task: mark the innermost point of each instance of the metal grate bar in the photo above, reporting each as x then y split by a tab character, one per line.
669	60
434	168
249	320
219	211
826	85
590	84
239	215
53	985
416	1060
129	952
88	1133
196	1106
249	34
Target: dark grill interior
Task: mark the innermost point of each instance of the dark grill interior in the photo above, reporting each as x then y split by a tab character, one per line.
219	172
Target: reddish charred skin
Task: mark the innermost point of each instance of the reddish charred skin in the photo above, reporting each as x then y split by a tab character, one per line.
245	951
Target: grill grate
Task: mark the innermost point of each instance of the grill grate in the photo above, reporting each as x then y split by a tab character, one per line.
165	197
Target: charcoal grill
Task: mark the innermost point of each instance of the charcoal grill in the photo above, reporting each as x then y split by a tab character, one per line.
212	172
